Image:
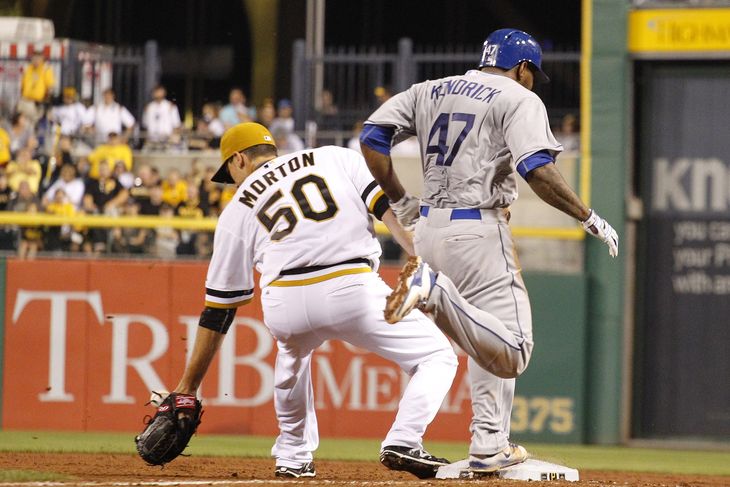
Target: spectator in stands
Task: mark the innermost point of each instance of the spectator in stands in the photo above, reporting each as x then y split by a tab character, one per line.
4	148
569	133
286	141
166	238
131	240
382	94
8	236
114	150
327	114
64	150
35	87
71	114
284	116
104	195
328	107
174	189
208	129
155	201
236	111
106	192
24	169
210	116
227	193
21	134
142	188
197	173
109	117
125	177
51	166
354	141
191	242
25	201
59	237
82	167
210	193
161	119
72	186
266	112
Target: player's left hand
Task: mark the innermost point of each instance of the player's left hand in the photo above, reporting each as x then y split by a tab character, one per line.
169	431
407	211
599	228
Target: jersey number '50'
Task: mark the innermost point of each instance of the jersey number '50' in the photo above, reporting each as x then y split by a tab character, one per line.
287	212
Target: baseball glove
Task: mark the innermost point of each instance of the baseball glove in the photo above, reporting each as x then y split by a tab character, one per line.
169	431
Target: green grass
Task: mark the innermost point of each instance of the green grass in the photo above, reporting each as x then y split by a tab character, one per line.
578	456
30	476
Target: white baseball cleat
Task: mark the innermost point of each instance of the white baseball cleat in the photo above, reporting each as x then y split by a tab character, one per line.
512	454
414	286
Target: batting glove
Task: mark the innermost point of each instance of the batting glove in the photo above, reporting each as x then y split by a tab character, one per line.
406	211
599	228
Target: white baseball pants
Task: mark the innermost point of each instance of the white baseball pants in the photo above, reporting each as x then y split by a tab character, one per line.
350	308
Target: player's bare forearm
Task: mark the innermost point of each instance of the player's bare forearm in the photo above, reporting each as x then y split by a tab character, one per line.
207	343
404	238
381	167
547	182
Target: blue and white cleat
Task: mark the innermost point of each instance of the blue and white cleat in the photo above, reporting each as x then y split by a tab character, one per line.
512	454
414	286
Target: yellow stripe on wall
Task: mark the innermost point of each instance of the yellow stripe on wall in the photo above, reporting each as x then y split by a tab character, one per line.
586	42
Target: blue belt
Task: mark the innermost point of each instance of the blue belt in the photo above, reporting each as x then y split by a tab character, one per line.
458	213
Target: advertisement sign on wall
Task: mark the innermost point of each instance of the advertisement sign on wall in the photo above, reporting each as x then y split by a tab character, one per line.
86	342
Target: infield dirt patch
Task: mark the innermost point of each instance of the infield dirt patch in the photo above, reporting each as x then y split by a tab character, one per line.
110	468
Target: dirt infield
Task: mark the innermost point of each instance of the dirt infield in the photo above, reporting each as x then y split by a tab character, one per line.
109	469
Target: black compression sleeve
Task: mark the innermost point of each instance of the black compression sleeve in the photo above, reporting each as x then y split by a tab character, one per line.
381	206
217	319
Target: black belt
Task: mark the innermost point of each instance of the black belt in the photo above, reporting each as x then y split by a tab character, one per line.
313	268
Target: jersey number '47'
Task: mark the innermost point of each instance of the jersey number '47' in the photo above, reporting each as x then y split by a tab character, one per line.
440	128
287	212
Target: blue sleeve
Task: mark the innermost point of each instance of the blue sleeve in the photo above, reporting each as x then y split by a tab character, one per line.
377	137
538	159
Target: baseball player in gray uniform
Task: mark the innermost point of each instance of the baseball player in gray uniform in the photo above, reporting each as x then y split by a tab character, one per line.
477	132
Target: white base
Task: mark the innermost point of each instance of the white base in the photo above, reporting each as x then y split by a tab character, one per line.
530	469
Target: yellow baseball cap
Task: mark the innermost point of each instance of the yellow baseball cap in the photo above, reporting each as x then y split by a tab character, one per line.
239	138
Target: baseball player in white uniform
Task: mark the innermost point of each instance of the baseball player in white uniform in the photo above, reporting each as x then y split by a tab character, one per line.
477	132
303	221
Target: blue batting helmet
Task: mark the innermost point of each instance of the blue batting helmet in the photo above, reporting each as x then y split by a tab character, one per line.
506	48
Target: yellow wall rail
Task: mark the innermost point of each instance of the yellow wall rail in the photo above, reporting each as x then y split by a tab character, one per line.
208	224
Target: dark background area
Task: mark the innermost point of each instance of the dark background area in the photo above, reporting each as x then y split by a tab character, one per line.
211	39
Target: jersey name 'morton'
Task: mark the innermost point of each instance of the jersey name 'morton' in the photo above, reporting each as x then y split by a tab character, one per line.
260	184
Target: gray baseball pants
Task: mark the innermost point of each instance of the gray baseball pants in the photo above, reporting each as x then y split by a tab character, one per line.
480	301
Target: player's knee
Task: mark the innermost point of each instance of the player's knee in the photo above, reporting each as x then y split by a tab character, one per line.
509	366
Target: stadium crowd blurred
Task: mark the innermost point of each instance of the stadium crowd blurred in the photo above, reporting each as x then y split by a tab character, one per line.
72	157
65	157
